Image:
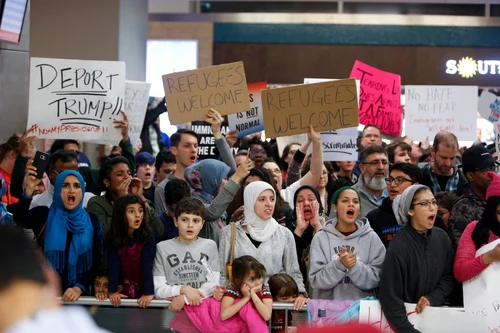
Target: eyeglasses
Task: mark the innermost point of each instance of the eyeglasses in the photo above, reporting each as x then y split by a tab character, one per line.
426	204
377	162
255	152
397	180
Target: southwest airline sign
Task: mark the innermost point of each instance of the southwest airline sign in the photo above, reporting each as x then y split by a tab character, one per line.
468	67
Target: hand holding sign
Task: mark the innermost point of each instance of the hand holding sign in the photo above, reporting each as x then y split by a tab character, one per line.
122	125
215	120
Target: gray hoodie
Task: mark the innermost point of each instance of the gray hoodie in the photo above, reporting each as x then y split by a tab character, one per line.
329	278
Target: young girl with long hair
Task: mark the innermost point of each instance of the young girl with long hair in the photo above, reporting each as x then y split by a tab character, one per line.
247	292
131	252
283	289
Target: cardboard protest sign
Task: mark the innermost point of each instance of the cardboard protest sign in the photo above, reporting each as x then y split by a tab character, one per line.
489	106
380	98
482	293
252	120
206	144
340	145
191	94
431	320
135	107
313	80
430	109
327	106
76	99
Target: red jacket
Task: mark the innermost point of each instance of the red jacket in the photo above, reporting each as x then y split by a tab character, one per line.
466	264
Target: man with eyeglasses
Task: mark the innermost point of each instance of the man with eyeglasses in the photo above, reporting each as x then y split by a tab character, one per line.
371	186
382	220
476	162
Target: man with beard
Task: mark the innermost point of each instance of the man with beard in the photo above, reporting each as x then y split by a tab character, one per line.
383	220
440	174
371	186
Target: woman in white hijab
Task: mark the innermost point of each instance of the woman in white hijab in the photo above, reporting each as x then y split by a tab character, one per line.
260	236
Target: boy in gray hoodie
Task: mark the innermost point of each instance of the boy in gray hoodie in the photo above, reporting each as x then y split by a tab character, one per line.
346	255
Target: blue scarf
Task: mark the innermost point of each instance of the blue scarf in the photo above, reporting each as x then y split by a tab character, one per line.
76	221
205	177
3	207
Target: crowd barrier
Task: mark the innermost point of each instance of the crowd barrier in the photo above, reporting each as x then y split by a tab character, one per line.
128	317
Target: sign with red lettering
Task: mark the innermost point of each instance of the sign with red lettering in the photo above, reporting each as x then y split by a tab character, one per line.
252	120
325	105
76	99
431	320
380	98
191	94
431	109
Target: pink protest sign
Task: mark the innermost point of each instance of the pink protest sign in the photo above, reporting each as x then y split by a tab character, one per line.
380	98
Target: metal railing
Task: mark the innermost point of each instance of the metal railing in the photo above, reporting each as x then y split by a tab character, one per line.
157	303
92	302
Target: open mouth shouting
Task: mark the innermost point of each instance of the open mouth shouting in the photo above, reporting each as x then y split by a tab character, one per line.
308	213
350	214
431	218
148	175
71	199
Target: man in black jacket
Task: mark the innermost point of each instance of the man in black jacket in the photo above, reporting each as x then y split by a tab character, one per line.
476	162
382	219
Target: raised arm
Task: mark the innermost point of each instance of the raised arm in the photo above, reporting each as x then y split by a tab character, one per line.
215	120
313	176
293	172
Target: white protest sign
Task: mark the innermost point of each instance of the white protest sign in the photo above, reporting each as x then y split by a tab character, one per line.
283	141
370	312
76	99
340	145
489	106
135	107
252	120
430	109
482	293
496	129
431	320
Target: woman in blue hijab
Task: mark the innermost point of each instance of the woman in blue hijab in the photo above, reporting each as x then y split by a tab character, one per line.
207	178
70	237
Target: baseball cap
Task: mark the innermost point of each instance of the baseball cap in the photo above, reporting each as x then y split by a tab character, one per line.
477	158
144	158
